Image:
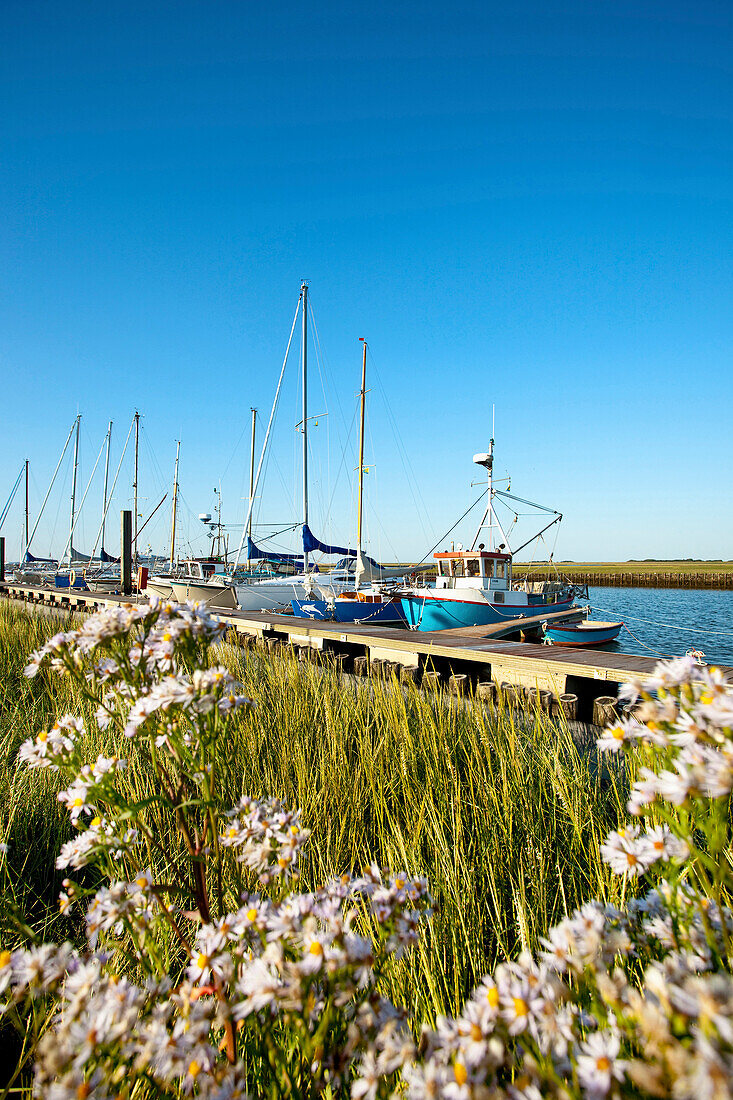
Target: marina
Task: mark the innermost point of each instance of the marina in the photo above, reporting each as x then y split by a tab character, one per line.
478	653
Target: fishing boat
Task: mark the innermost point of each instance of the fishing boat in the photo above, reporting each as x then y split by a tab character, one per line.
474	587
591	633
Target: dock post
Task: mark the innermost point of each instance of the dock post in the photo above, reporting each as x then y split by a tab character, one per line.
2	558
126	552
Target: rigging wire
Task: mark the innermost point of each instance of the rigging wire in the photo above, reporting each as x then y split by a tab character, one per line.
420	506
445	536
669	626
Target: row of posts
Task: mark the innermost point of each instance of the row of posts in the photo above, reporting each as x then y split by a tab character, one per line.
125	553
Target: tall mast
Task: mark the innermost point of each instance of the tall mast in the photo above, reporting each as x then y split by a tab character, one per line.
26	504
252	473
304	305
175	503
73	487
134	487
106	483
361	446
490	468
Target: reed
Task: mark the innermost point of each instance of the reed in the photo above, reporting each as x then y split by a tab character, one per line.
500	811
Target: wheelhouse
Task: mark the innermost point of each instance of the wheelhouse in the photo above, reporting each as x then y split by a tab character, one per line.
491	569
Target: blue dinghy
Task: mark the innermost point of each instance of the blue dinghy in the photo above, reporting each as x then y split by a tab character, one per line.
588	633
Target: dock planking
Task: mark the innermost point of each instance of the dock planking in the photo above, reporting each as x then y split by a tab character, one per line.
588	673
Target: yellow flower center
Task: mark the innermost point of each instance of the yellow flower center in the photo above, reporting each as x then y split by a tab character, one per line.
658	845
252	915
232	831
83	1090
476	1033
141	882
399	883
460	1073
631	859
492	996
166	637
5	958
43	736
316	948
617	733
194	1069
520	1006
95	821
603	1063
202	961
78	802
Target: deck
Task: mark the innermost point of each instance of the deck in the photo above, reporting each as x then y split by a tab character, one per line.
476	651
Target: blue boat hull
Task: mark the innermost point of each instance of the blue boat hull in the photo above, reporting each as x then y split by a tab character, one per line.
349	611
583	634
438	614
63	580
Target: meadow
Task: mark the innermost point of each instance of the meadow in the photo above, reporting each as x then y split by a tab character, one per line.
499	810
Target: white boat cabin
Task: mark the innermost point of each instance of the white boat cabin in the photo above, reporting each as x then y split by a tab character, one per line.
487	569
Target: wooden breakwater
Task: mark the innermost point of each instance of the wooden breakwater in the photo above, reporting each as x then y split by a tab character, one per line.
614	578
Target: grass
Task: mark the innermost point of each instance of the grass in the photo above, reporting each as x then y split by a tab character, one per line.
570	568
502	813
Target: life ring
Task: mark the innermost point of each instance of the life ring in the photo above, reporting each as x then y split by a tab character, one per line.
72	578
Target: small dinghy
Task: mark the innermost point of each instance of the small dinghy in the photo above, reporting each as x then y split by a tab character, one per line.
588	633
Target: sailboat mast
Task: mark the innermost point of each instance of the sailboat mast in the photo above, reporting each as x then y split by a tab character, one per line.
73	488
304	302
175	503
252	472
106	483
134	487
26	504
490	467
361	447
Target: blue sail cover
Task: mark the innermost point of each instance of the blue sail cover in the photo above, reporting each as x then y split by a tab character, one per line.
104	556
254	552
39	561
311	543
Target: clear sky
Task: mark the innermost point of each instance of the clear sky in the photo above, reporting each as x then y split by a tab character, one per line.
525	206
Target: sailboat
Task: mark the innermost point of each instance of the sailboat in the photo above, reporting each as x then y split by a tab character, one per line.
474	587
370	604
271	580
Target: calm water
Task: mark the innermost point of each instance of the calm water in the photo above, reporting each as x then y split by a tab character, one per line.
669	620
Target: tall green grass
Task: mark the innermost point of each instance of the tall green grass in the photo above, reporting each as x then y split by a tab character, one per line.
501	812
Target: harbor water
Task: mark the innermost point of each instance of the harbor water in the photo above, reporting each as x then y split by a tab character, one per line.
668	621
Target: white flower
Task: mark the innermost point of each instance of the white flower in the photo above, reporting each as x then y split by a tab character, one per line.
598	1064
626	853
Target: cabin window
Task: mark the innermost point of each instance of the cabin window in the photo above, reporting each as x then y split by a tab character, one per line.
488	567
472	567
500	570
458	567
442	571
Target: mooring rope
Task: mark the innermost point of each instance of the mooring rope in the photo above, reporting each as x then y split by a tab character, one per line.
669	626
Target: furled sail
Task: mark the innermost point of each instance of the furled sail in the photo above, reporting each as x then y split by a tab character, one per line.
76	555
104	556
254	552
39	561
311	543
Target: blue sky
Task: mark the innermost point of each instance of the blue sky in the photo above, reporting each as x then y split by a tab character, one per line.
526	207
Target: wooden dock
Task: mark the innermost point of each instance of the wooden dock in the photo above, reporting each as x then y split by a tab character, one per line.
476	651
